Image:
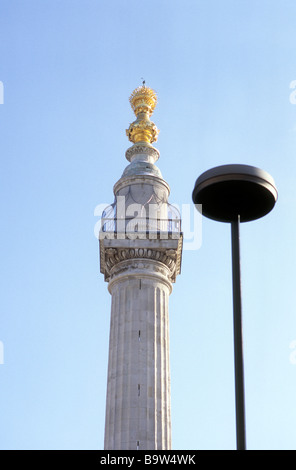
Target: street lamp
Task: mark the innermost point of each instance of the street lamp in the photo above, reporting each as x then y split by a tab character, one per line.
234	194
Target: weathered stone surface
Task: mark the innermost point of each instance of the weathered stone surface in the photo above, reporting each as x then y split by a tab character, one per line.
140	267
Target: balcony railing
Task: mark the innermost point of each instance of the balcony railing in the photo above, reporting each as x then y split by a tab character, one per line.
137	224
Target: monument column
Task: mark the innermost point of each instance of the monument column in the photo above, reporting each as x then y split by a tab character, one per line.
140	253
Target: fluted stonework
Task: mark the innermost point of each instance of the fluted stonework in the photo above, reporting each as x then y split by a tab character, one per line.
140	257
138	409
138	396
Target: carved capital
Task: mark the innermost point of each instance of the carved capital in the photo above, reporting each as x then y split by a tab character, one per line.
116	259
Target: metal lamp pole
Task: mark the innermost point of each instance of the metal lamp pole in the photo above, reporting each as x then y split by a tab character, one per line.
235	194
238	336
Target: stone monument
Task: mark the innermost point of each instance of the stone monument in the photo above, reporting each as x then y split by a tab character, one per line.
140	257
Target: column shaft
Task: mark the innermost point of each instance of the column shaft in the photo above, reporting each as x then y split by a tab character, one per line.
138	411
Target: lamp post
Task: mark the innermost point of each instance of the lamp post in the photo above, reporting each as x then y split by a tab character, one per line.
235	194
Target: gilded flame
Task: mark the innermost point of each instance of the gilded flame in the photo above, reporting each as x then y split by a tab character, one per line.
143	101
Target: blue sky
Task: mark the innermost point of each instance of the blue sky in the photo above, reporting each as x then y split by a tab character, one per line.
222	72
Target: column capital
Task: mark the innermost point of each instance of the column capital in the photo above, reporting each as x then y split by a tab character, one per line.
151	257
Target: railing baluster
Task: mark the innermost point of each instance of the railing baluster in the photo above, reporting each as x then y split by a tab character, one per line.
170	225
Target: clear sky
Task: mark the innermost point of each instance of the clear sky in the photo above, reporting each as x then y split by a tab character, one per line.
223	72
